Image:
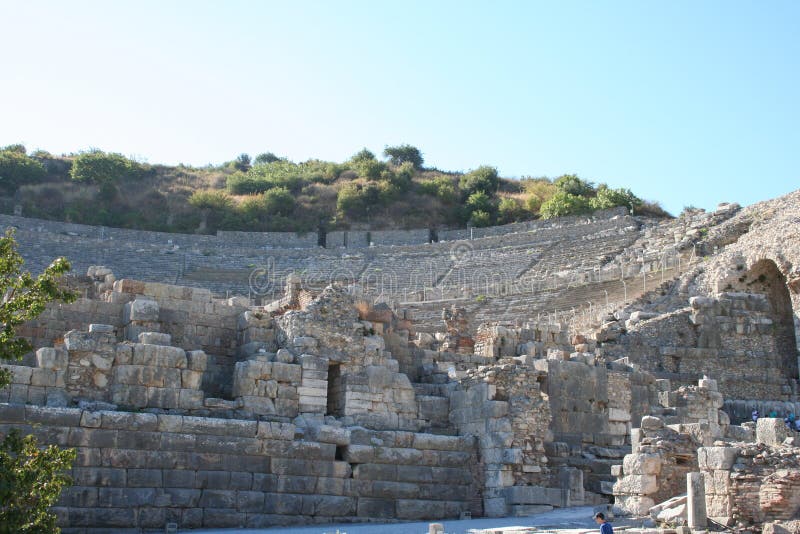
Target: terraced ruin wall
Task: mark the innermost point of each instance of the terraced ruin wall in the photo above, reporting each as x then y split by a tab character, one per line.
142	470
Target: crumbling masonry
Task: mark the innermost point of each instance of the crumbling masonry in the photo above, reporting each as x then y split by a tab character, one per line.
322	403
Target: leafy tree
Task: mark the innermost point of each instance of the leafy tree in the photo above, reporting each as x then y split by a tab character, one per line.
211	199
31	478
260	178
607	198
539	191
266	157
441	187
562	204
483	178
362	155
372	169
404	154
242	162
278	201
98	167
19	148
355	199
17	168
480	218
510	210
570	183
401	177
479	201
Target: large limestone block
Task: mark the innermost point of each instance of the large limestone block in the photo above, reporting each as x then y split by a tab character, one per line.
159	356
634	505
52	358
771	431
716	458
419	509
155	338
618	414
641	464
650	422
141	309
636	485
533	495
673	516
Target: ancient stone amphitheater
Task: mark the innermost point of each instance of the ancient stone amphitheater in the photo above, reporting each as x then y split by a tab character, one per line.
252	380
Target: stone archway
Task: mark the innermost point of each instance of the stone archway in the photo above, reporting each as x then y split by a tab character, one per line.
764	276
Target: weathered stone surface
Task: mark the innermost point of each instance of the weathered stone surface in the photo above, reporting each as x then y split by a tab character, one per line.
642	464
713	458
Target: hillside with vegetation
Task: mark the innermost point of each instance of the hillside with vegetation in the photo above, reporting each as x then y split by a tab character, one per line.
270	193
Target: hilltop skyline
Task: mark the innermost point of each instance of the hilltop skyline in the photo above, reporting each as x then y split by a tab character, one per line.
686	104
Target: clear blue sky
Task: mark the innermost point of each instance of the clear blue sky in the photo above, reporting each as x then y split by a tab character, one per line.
685	102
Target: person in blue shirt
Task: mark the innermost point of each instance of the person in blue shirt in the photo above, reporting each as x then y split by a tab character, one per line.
605	527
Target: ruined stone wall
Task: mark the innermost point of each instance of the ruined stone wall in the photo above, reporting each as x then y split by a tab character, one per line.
503	407
578	395
142	470
656	469
717	337
751	484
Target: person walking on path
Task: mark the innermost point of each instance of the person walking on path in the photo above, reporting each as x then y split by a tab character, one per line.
605	526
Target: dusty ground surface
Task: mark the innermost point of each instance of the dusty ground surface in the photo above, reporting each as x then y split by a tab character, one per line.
578	519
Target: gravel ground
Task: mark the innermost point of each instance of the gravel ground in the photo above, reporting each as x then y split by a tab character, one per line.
578	519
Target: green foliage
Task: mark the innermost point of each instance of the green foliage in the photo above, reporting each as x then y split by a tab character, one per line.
510	210
570	183
17	148
362	155
562	204
31	478
480	219
278	201
284	174
242	162
610	198
99	167
266	157
441	187
275	194
404	154
17	168
371	169
211	199
479	201
539	191
356	200
483	178
24	297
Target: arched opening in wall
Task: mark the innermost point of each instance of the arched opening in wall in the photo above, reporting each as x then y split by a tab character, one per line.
764	277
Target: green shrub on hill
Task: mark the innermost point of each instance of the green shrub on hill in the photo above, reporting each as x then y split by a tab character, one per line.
282	173
98	167
441	187
510	210
404	154
266	157
483	178
607	198
562	204
17	169
570	183
210	199
270	193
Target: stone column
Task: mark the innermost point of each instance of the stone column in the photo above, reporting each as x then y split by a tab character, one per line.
696	501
